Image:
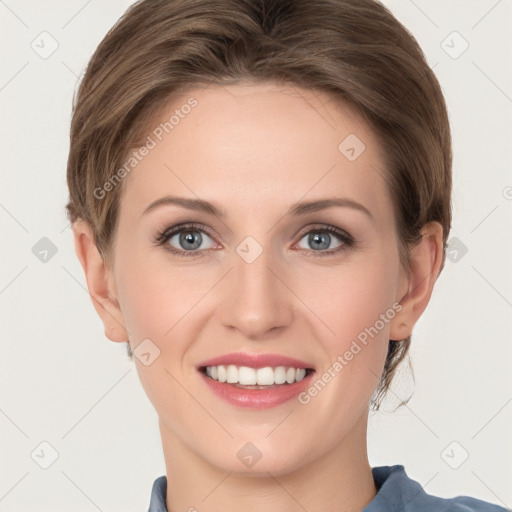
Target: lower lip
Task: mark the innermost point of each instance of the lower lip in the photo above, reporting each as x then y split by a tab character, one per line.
257	398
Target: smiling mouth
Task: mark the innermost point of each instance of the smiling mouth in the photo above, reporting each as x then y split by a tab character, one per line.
255	378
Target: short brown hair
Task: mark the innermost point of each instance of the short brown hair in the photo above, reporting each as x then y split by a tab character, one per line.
354	50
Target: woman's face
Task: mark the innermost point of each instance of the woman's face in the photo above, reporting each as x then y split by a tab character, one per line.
263	278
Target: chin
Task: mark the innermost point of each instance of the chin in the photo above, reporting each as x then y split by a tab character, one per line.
260	459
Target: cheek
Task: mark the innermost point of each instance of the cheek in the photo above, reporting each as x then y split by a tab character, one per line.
155	293
147	314
356	308
350	299
155	300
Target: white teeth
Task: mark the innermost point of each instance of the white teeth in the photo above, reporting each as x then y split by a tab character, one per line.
280	375
221	373
301	373
232	374
247	376
265	376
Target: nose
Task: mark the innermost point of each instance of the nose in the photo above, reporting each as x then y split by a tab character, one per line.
255	299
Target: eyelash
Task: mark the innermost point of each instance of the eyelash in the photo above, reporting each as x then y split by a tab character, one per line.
162	237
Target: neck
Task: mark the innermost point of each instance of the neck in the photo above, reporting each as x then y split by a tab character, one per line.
340	480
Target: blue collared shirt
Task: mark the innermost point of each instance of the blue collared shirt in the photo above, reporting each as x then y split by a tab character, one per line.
396	493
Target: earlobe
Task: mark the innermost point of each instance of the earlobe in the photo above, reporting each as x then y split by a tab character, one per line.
100	282
426	262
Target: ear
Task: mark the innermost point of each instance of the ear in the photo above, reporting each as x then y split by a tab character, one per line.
427	259
100	282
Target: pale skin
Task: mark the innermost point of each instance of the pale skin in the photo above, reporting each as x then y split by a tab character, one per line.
254	150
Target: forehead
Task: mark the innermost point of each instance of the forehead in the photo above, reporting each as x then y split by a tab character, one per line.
241	145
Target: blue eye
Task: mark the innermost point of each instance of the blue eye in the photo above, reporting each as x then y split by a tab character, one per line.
321	238
190	237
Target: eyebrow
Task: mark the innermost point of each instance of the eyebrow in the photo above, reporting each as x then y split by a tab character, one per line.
296	209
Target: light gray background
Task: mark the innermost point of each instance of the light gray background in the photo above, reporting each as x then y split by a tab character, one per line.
63	382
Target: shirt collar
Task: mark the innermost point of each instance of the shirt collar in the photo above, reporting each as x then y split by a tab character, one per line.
158	494
388	479
395	491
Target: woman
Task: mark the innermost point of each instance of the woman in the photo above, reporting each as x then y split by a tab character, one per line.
260	197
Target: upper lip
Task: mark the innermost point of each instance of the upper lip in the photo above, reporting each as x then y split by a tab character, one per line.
255	361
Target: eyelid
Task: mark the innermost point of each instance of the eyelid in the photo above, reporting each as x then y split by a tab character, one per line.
319	226
346	239
166	234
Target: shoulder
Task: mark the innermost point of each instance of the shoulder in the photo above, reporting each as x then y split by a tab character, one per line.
396	491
